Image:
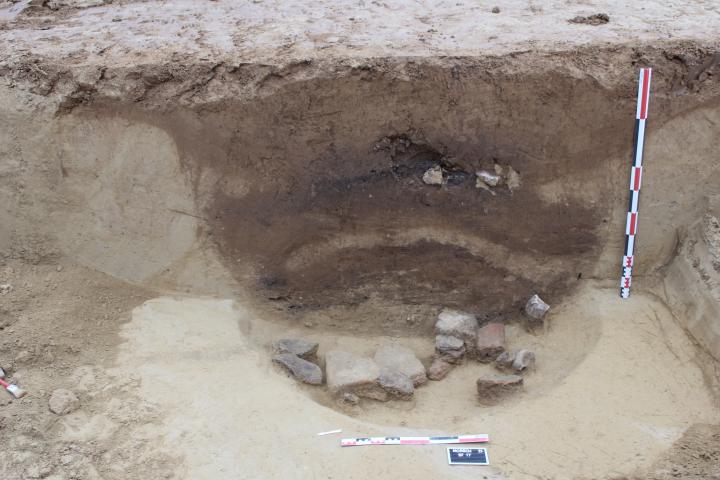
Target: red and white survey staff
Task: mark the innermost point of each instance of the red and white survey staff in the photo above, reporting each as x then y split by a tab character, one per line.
635	180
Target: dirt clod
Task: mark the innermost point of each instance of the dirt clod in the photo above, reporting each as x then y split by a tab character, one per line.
493	388
595	19
63	401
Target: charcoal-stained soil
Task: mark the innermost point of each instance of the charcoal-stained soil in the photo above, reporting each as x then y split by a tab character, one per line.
383	233
320	199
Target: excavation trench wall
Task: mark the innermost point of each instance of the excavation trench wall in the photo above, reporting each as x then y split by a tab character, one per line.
303	186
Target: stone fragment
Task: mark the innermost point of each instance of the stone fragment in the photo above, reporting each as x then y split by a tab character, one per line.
492	388
505	360
512	179
535	308
302	370
496	10
347	372
433	176
5	288
451	349
396	384
484	186
350	398
439	369
444	343
301	348
400	359
490	342
63	401
524	359
457	324
453	356
488	178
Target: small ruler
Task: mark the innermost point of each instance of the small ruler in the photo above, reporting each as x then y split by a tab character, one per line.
468	456
635	179
356	442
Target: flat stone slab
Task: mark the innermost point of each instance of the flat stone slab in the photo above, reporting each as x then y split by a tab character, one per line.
403	360
493	388
396	384
302	348
535	308
301	369
347	372
490	342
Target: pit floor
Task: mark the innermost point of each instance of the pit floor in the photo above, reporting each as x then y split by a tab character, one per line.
183	387
616	385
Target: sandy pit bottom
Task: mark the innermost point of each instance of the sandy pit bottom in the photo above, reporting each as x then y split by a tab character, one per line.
617	383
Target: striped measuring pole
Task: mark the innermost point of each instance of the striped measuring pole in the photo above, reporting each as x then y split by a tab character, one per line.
357	442
635	178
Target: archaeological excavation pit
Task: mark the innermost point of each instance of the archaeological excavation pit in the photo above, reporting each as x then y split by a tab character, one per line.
311	193
181	217
313	196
